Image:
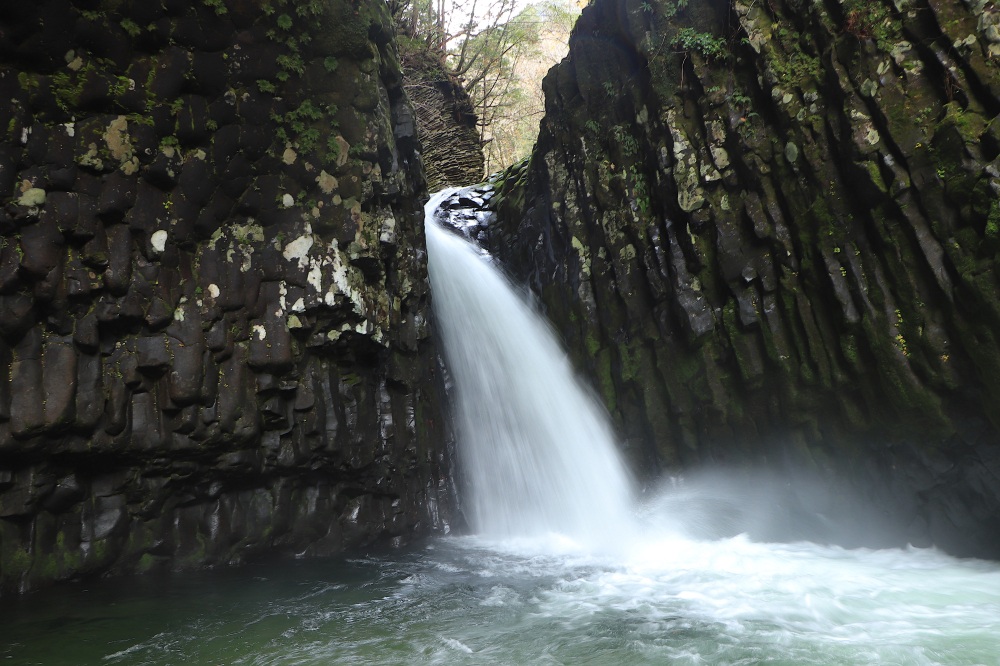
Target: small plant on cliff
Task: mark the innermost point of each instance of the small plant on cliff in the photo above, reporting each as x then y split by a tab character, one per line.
640	190
674	8
302	125
218	6
291	63
992	229
707	44
870	20
131	27
625	140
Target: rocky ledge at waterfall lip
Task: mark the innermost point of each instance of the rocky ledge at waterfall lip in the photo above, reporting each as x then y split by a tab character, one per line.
777	243
467	212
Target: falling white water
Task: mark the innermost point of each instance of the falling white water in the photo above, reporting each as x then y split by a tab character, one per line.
536	449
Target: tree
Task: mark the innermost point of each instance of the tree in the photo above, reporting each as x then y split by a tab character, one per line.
505	85
485	46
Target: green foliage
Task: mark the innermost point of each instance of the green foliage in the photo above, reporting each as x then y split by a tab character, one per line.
640	191
871	20
926	114
121	85
218	6
993	221
672	9
500	56
66	91
797	69
308	139
266	86
970	125
26	81
131	27
705	43
792	64
302	8
306	111
67	86
291	63
740	100
310	7
332	148
330	64
625	140
302	126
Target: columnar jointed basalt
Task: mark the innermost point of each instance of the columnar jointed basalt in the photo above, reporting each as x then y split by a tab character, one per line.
213	293
769	232
447	125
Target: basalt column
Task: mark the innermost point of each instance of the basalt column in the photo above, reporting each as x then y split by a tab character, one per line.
214	307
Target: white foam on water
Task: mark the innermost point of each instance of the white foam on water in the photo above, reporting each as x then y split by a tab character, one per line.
733	600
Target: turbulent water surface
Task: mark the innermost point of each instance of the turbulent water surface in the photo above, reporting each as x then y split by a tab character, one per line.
467	601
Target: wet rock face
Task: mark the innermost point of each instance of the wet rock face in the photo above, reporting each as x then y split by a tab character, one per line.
769	234
213	293
468	213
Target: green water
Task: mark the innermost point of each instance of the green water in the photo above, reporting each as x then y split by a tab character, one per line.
465	601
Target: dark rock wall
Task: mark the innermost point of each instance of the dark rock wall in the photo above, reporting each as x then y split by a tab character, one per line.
768	232
213	295
447	125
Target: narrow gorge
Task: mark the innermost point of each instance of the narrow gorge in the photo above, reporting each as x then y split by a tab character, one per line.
766	232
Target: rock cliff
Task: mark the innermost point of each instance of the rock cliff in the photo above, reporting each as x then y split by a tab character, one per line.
447	126
213	297
768	232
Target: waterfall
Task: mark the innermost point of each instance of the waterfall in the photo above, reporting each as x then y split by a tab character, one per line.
536	450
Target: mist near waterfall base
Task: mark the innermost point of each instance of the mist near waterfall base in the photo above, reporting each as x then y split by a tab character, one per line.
769	506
